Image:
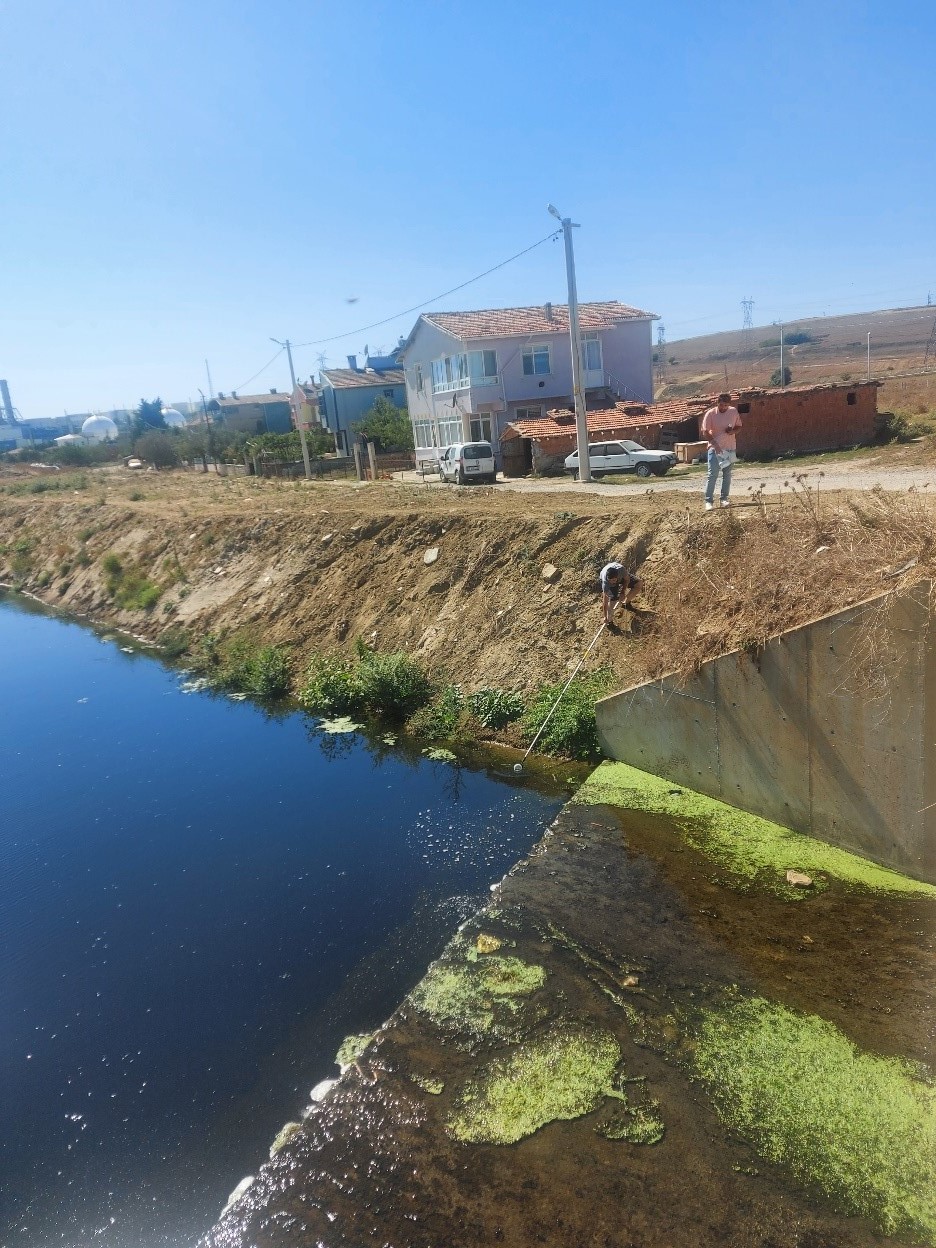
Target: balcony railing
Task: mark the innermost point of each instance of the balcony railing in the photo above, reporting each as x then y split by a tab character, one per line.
463	383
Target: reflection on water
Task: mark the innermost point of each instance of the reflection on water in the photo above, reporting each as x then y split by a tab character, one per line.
198	899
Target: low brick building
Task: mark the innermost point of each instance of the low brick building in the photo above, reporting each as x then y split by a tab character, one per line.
806	418
774	422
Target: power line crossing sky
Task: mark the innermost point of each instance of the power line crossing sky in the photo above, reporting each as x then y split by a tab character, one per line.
183	181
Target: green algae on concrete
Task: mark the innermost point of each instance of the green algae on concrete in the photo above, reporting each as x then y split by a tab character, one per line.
428	1083
860	1127
637	1124
563	1073
283	1136
351	1049
749	848
480	997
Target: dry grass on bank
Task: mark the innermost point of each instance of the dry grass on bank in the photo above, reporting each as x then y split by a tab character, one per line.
754	573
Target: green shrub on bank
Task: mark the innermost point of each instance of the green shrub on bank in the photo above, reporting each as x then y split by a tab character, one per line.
493	708
130	590
43	485
331	687
393	685
571	730
442	718
260	671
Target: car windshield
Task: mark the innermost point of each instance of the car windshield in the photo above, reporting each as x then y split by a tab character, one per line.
633	446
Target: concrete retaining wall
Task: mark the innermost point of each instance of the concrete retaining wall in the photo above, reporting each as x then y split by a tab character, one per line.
830	730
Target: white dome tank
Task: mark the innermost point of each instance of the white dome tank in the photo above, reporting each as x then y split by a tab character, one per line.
99	429
173	418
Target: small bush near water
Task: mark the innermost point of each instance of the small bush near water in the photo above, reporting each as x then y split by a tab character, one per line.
442	718
572	730
262	671
130	590
393	685
493	708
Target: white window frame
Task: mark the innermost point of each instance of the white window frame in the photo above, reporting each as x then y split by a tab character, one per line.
451	431
534	353
450	373
591	336
479	422
418	378
528	412
482	367
423	433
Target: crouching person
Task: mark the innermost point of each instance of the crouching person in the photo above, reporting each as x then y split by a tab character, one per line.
617	584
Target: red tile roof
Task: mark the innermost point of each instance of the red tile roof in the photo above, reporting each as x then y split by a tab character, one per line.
346	378
609	421
541	319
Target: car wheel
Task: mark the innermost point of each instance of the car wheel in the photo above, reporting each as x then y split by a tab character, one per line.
643	470
461	477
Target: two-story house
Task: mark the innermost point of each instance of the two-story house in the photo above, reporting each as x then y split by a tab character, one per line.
255	413
347	394
469	374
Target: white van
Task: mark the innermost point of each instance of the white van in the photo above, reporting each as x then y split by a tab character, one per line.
468	461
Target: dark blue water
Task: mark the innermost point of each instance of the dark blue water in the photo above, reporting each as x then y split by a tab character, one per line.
198	900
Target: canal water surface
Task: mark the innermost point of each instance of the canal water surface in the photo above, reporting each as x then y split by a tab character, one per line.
199	899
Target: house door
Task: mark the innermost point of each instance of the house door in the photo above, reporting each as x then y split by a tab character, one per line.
592	364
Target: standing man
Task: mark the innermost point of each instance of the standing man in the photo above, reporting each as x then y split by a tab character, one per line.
718	428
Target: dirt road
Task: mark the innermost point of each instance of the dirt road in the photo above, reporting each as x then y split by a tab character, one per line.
864	473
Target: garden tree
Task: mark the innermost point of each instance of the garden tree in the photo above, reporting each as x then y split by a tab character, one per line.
148	416
159	448
193	444
286	447
386	425
775	377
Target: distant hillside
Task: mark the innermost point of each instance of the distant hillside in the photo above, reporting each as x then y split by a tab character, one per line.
825	348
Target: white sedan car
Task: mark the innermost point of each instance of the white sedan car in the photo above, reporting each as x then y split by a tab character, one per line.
622	456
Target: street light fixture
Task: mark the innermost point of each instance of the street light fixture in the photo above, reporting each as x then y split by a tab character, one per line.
578	394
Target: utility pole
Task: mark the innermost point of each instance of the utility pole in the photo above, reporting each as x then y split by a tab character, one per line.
782	378
302	436
581	422
210	448
208	373
869	355
747	326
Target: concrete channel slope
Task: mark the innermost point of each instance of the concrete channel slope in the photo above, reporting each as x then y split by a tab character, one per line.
829	729
647	1038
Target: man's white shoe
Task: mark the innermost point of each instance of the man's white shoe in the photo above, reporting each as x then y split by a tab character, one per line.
709	506
726	502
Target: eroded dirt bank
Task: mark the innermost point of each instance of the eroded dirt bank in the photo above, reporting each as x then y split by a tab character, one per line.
457	578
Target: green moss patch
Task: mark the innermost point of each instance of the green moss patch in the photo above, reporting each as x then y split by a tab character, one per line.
482	998
860	1127
352	1047
561	1074
638	1124
286	1132
747	847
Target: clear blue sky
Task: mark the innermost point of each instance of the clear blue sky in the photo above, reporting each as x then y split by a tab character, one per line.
183	180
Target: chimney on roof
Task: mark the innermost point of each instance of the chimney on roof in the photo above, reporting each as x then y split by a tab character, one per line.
220	394
352	362
233	394
549	315
272	389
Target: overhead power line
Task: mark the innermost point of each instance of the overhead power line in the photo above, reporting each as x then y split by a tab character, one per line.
351	333
260	370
